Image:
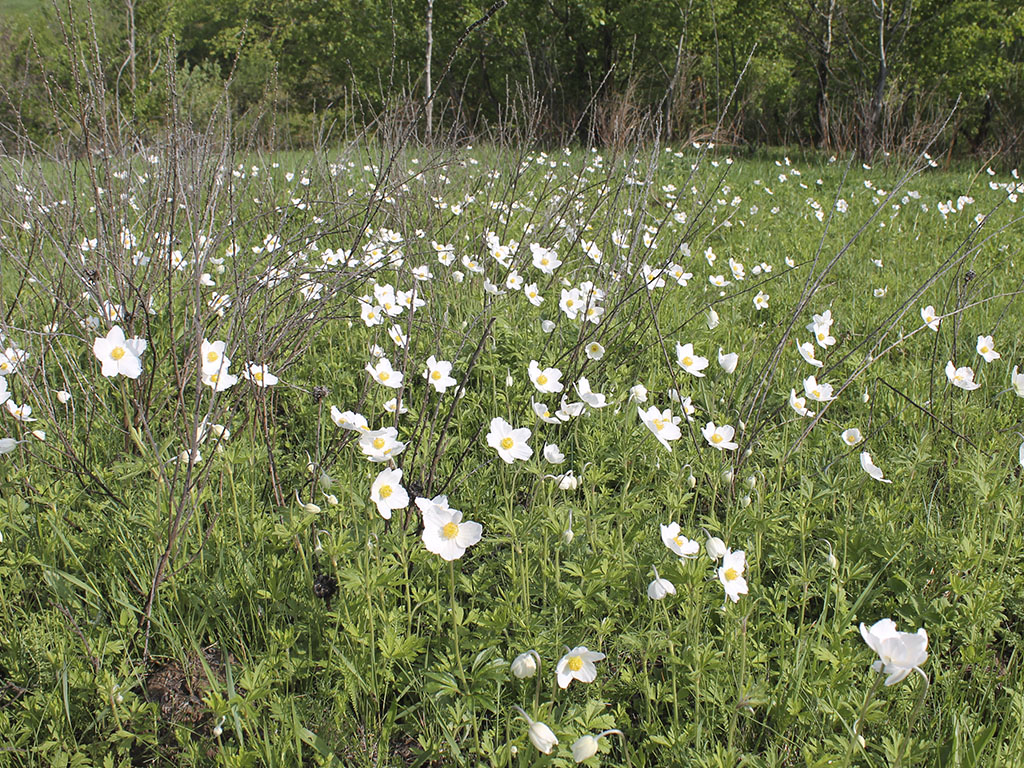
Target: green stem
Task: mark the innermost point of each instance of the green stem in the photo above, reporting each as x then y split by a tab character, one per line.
912	722
855	736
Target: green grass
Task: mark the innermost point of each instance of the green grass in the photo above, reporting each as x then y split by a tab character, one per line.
409	662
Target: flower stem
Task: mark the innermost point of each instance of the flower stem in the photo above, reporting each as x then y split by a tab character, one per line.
854	737
912	722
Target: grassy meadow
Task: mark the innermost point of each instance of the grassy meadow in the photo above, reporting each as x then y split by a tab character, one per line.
303	455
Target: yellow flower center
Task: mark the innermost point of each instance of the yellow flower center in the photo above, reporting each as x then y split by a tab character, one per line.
687	361
258	377
384	376
214	377
379	443
544	262
716	438
821	337
507	443
435	375
385	491
542	379
984	348
450	530
575	663
568	302
211	356
659	424
116	353
731	573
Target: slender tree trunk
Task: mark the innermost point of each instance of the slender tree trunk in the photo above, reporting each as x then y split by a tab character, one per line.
131	43
430	56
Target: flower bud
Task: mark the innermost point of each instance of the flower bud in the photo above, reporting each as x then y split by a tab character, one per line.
568	536
525	665
715	548
727	476
751	482
692	481
745	501
584	747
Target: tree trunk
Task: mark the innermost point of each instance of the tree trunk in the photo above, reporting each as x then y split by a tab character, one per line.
430	55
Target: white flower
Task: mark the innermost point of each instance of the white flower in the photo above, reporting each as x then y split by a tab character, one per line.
444	532
547	326
525	664
899	653
720	437
63	396
4	394
727	361
383	373
730	573
689	361
761	300
1017	382
799	404
212	358
961	377
715	548
638	393
118	355
8	444
679	545
986	349
658	590
869	466
387	492
851	436
545	380
929	317
806	351
552	455
591	398
438	374
508	442
259	375
381	444
542	737
566	482
349	420
594	351
819	392
881	292
578	664
712	319
662	424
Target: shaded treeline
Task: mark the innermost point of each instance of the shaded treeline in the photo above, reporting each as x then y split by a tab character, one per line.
871	75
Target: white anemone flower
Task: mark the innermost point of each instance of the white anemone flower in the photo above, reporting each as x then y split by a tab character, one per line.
727	361
552	455
445	533
679	545
851	436
384	374
380	445
438	374
899	653
806	351
730	573
720	437
868	465
659	589
1017	382
119	355
986	348
588	396
578	664
387	492
508	442
930	318
689	361
961	377
663	424
542	737
546	380
822	393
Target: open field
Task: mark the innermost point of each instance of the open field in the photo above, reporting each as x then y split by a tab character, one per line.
286	478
